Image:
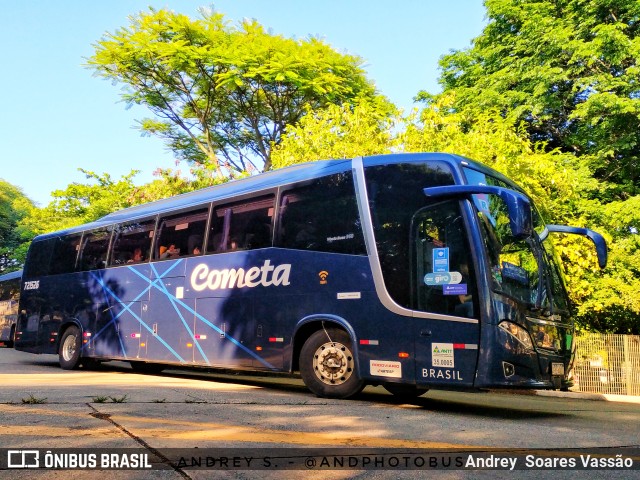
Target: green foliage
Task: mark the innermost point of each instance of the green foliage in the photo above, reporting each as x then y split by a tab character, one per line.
223	95
569	70
82	203
14	237
31	400
550	177
337	132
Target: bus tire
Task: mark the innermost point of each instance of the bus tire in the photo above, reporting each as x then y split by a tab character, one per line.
404	392
70	348
327	365
144	367
12	337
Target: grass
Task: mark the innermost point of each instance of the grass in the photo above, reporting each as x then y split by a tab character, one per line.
122	399
34	400
103	399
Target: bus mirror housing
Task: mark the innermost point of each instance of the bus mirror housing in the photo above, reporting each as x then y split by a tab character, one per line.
518	205
597	239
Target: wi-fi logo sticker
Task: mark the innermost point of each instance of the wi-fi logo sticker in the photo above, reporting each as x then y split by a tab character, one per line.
323	277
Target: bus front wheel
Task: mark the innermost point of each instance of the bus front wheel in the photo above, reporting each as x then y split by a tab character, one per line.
70	346
327	364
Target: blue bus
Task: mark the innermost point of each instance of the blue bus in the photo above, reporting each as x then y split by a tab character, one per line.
411	271
9	294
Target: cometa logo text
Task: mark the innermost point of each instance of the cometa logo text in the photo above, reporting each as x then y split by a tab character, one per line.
202	277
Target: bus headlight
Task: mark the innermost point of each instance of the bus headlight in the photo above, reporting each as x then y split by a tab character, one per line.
517	332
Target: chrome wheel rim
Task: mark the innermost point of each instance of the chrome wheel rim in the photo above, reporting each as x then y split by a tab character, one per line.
69	348
333	363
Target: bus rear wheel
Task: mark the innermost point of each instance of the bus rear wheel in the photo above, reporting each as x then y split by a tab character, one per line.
70	347
327	364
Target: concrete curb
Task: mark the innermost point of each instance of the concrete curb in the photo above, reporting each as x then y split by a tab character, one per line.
606	397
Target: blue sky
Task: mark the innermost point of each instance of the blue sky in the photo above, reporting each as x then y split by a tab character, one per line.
57	117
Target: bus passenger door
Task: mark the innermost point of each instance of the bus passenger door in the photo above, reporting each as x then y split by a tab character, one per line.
444	284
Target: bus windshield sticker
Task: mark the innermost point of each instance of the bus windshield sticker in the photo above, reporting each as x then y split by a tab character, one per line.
383	368
441	260
514	272
442	355
444	278
460	289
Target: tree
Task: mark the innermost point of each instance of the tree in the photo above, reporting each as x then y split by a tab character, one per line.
568	69
223	95
339	131
14	239
82	203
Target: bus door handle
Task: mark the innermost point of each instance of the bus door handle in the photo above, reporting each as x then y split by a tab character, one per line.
425	333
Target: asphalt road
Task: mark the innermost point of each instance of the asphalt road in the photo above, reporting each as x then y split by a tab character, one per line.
44	407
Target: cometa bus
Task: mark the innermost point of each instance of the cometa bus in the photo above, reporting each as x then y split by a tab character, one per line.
411	271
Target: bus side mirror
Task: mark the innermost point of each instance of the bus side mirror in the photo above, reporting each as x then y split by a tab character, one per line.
597	239
518	205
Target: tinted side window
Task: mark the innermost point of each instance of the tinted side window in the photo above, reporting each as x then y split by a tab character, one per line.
132	242
242	226
181	234
65	252
37	263
94	250
10	290
395	195
322	215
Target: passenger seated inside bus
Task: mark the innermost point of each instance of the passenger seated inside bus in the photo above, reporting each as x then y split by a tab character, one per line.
194	244
171	252
136	257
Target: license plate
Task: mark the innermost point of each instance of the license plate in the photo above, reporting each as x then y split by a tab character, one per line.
557	369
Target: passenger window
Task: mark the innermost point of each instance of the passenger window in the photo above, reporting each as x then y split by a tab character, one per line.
65	252
322	216
132	242
95	249
242	226
181	235
38	259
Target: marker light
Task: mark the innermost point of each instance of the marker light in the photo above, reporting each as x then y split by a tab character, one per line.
403	355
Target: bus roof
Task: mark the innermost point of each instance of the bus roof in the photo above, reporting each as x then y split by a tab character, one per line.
264	181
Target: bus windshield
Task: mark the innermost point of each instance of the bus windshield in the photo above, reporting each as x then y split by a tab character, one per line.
524	269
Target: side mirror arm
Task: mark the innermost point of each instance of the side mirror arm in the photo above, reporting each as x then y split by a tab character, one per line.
518	204
595	237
